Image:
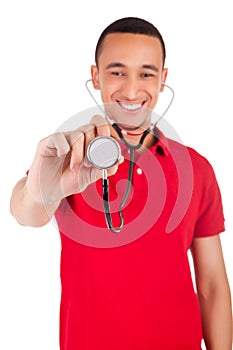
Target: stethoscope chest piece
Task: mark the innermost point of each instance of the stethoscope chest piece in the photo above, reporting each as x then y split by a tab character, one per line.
103	152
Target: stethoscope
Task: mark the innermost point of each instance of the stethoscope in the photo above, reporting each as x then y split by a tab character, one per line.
104	152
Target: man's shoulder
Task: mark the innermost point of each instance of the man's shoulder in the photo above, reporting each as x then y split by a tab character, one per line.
189	160
179	149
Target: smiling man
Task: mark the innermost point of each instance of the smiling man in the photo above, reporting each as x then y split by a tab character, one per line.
129	76
134	290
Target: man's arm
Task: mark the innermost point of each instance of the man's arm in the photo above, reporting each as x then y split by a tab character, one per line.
213	292
27	210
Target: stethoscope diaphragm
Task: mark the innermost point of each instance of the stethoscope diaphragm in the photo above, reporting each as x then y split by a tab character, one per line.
103	152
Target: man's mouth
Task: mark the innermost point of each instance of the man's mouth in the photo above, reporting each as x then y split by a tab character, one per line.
130	107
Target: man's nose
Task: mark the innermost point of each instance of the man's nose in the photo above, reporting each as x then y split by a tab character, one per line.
131	88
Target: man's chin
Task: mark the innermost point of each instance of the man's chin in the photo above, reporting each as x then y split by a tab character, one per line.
134	128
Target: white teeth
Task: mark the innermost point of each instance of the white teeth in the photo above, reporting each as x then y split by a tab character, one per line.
131	107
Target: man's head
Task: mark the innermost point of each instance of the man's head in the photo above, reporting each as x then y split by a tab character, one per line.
129	70
131	25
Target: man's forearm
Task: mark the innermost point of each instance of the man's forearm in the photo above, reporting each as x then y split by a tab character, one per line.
216	313
26	210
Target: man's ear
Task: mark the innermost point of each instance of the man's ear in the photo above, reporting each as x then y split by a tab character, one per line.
164	77
95	77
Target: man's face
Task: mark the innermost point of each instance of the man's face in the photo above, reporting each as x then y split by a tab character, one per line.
129	75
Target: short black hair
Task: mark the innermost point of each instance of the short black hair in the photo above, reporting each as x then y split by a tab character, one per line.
132	25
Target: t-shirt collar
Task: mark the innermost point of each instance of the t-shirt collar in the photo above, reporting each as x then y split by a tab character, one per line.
160	146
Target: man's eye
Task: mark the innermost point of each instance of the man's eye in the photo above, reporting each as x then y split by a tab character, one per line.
147	75
119	74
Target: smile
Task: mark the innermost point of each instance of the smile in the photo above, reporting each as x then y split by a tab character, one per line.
131	107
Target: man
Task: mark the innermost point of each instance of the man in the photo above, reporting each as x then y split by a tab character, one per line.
133	290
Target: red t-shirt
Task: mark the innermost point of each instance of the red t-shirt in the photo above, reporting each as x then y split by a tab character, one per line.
134	290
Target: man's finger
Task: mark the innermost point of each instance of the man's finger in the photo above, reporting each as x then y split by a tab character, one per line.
101	125
54	145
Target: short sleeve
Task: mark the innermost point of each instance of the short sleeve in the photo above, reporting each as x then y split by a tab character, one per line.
210	219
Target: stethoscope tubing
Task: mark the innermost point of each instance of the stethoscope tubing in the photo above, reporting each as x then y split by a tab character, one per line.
105	181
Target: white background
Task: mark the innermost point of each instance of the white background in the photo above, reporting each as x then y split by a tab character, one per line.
47	48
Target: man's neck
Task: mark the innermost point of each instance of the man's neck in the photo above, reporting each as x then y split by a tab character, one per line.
133	138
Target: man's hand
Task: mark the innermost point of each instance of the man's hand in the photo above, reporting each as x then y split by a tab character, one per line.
59	169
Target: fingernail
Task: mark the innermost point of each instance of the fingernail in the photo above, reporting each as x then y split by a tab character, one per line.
121	160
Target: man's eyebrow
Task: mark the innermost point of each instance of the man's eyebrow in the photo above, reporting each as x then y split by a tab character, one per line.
150	66
115	65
